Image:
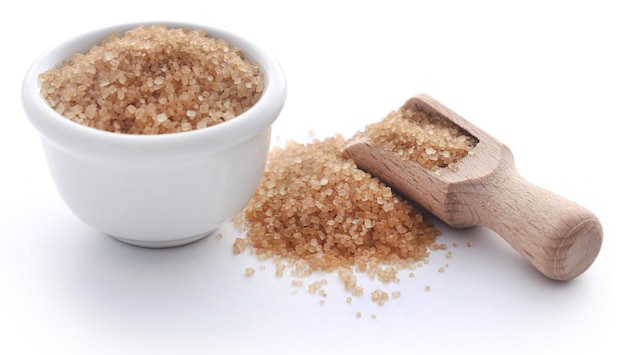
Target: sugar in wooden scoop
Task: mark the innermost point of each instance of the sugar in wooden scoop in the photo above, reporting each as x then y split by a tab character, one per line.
467	178
418	136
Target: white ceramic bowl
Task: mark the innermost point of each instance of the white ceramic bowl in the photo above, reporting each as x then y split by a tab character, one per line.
156	190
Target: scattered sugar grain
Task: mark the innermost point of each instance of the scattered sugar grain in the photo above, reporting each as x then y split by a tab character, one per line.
315	286
239	245
427	288
249	271
358	291
380	297
440	246
395	294
297	283
280	269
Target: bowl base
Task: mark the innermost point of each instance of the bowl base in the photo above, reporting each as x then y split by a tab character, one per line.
162	244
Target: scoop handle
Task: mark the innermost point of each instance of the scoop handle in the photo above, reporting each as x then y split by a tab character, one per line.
559	237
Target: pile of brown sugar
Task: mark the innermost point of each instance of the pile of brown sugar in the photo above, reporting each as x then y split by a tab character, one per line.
154	80
318	211
431	141
316	207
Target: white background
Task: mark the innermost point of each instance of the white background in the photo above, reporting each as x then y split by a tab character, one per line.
545	77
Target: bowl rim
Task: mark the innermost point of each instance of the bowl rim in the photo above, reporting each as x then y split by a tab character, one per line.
60	130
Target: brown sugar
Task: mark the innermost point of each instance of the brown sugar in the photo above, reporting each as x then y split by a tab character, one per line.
154	80
315	206
321	212
380	297
431	141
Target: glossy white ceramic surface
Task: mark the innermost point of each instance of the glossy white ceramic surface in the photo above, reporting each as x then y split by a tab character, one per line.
161	190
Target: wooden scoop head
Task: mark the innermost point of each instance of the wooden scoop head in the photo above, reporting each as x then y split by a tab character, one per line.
560	238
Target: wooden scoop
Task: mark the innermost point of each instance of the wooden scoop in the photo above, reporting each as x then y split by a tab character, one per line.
559	238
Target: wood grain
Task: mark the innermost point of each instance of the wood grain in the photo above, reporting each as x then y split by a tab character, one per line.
559	238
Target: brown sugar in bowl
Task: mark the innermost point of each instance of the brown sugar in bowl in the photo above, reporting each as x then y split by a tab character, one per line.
156	190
